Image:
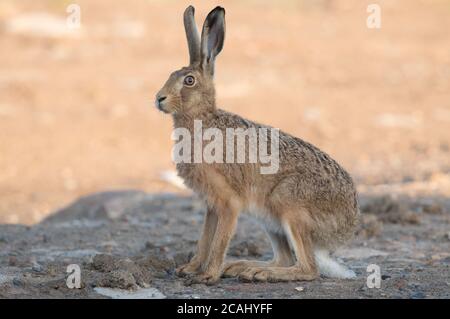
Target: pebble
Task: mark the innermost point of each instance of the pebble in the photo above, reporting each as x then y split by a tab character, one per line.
17	281
417	295
37	267
12	261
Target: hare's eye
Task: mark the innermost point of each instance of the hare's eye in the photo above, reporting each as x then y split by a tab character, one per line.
189	80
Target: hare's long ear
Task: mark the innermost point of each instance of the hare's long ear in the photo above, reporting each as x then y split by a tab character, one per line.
192	36
213	36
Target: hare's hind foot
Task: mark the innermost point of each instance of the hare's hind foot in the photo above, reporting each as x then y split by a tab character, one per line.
235	268
301	265
282	257
276	274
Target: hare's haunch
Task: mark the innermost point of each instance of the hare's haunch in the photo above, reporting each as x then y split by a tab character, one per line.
308	204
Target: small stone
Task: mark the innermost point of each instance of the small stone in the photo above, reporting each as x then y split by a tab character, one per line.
300	288
17	281
12	261
434	209
37	267
164	249
417	295
149	245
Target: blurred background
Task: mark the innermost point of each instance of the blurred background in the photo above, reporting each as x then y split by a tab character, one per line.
76	104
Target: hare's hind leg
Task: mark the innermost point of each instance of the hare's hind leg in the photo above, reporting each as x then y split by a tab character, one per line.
304	268
203	246
282	256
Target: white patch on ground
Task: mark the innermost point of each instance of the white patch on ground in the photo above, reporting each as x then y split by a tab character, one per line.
147	293
5	279
359	253
79	223
53	253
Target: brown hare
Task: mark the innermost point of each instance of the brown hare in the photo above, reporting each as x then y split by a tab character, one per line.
308	206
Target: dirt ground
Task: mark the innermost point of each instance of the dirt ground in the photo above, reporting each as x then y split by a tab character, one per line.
77	118
128	243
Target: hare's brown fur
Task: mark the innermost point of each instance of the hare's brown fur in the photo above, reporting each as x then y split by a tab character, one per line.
309	204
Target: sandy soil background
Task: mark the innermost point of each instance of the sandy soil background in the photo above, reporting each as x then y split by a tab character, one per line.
77	117
77	114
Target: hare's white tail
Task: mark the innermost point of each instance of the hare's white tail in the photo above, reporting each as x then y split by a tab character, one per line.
171	177
330	267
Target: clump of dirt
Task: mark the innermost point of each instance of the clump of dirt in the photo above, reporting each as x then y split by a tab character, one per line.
158	264
246	249
389	210
19	261
432	208
369	226
115	272
103	262
120	279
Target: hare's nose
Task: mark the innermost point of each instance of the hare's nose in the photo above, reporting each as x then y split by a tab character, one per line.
159	100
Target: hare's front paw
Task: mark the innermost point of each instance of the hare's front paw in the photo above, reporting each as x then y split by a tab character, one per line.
204	278
188	269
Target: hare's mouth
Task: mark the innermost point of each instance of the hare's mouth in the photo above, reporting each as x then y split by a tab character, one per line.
162	109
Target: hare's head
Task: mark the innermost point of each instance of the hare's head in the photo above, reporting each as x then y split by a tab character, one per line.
191	89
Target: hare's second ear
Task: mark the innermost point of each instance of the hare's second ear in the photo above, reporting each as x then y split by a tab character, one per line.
213	36
192	36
